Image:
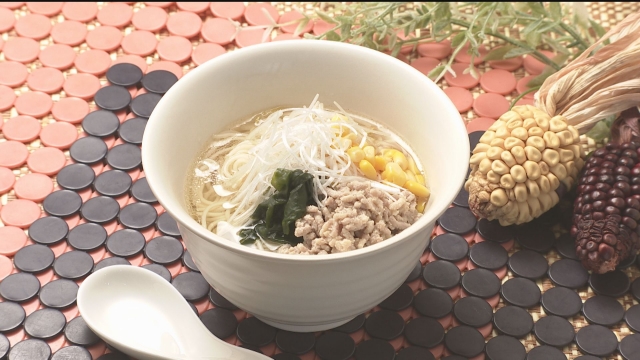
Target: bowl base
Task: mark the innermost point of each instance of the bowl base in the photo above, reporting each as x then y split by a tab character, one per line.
304	328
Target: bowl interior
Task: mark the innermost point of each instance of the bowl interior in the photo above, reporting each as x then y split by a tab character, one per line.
242	83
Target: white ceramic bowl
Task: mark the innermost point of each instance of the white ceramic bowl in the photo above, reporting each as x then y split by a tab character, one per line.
298	292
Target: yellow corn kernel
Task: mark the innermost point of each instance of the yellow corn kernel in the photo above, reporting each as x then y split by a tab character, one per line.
410	175
395	174
380	162
397	157
417	189
412	166
370	154
342	143
368	170
356	154
420	179
421	204
349	135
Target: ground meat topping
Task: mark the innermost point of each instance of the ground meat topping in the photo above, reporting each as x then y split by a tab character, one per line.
354	216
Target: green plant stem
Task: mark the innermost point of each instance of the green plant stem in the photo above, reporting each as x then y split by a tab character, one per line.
524	93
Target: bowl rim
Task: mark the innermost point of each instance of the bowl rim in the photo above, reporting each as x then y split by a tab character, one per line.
184	219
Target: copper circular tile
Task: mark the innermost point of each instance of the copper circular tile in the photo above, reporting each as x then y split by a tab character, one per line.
140	42
1	43
256	16
522	86
70	109
69	32
438	50
48	8
7	19
21	49
282	37
95	62
80	11
34	103
83	86
175	48
162	4
320	27
132	59
58	56
150	18
46	160
206	51
6	267
13	73
534	66
184	23
193	6
461	98
463	55
218	30
34	187
480	124
7	179
22	128
46	79
115	14
104	37
20	213
230	10
12	239
511	64
166	65
490	105
11	4
425	64
34	26
461	79
247	37
7	98
60	135
498	81
290	18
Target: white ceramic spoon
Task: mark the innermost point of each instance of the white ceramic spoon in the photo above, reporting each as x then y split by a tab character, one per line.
144	316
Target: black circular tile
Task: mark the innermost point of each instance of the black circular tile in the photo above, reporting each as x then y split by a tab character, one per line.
587	357
334	345
441	274
450	247
285	356
630	347
474	138
11	316
614	283
457	220
625	263
635	289
545	353
113	183
159	81
72	353
132	130
384	324
561	301
144	104
424	331
221	302
465	341
568	273
138	216
48	230
124	74
187	260
88	150
192	286
4	346
415	273
125	243
481	282
399	300
536	238
454	357
100	209
167	225
631	317
62	203
124	157
100	123
434	303
596	340
76	177
295	342
462	199
488	255
513	321
352	325
33	258
45	323
473	311
603	310
31	349
59	293
141	191
159	270
375	349
254	332
504	347
114	355
73	265
221	322
521	292
164	250
77	332
554	331
414	353
494	232
87	236
114	260
566	247
112	98
19	287
528	264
